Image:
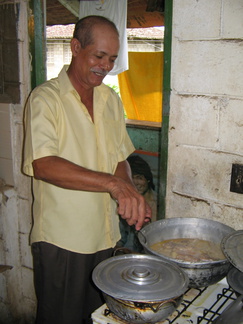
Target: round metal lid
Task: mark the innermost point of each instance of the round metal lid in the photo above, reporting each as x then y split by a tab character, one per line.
232	246
140	278
235	280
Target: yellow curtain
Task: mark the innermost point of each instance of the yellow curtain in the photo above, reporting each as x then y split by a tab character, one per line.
141	86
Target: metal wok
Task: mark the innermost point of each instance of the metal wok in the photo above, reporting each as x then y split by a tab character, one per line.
201	274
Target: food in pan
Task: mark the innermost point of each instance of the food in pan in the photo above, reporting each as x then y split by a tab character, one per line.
189	249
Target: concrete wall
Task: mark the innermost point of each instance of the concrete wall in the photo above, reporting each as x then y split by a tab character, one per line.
17	298
206	119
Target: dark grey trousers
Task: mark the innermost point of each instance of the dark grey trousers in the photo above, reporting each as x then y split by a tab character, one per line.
64	288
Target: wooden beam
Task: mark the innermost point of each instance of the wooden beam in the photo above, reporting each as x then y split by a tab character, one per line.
72	6
139	17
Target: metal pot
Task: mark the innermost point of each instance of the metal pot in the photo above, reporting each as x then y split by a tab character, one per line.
201	274
235	280
134	312
232	245
140	288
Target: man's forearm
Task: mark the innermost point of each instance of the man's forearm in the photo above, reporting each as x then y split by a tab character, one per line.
68	175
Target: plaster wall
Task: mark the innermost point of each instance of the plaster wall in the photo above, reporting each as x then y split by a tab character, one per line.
206	110
17	298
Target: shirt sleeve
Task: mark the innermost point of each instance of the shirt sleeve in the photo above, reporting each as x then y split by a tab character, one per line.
40	131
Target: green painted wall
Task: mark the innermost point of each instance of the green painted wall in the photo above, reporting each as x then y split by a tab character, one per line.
166	109
145	139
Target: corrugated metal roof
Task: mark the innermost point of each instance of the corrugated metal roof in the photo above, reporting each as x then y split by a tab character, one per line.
66	31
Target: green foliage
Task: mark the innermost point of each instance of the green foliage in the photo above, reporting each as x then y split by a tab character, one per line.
115	88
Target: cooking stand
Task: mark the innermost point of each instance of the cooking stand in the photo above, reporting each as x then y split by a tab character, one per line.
199	306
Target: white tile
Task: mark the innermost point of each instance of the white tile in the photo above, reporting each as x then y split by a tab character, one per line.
232	19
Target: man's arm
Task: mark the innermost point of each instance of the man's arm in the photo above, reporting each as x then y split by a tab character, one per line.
65	174
136	206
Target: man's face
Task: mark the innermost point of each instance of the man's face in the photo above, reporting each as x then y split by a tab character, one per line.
94	62
141	183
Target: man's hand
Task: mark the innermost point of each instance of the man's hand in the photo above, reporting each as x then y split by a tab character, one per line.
131	205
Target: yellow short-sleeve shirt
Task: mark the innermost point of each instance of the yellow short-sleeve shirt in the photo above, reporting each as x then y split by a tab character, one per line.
58	124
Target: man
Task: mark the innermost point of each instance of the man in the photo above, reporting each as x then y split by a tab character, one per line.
76	147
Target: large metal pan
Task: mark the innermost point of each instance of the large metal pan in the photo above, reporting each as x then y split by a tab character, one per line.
201	274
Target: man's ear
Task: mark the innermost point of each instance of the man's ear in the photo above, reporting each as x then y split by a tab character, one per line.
75	46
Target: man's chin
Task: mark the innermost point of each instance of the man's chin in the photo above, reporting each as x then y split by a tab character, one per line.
98	80
96	83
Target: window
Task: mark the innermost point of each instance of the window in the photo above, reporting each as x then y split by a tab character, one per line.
67	53
50	53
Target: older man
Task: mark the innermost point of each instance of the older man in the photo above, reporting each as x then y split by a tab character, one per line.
75	148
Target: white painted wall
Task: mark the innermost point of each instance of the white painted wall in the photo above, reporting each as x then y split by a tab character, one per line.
206	119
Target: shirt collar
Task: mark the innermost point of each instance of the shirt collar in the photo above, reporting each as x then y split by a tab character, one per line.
64	81
66	85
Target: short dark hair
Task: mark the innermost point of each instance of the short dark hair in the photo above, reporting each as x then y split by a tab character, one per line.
140	167
83	30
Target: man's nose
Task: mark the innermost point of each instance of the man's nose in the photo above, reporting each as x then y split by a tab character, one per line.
107	64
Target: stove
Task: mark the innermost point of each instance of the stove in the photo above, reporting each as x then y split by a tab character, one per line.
199	306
